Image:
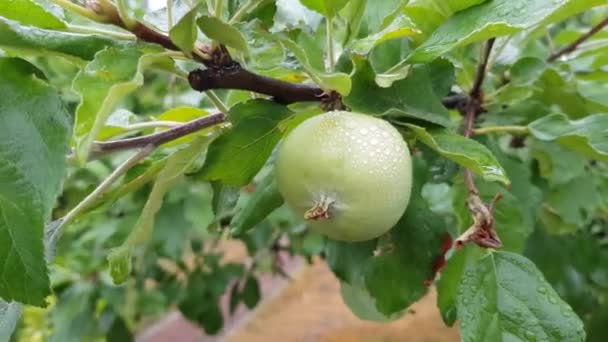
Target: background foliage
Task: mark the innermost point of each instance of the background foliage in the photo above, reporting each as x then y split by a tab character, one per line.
112	236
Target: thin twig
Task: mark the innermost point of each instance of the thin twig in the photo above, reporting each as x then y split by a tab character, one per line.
159	138
570	48
515	130
481	70
105	185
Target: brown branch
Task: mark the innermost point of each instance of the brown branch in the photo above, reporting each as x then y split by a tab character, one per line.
483	230
235	77
481	71
156	139
143	32
572	46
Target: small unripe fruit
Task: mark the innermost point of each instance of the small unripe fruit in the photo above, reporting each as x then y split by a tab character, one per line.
348	174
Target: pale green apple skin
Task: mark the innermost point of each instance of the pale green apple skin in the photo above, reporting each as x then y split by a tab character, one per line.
359	161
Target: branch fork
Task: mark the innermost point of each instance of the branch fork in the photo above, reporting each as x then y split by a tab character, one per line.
483	231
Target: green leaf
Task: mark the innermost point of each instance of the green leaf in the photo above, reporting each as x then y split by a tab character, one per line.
554	89
36	41
556	163
449	281
586	136
354	15
237	155
265	53
574	264
396	279
200	299
29	13
346	259
571	8
185	32
328	8
251	292
71	320
391	273
224	199
399	28
264	200
101	84
410	98
429	14
575	201
337	81
34	135
223	33
363	305
178	163
490	19
9	316
505	297
466	152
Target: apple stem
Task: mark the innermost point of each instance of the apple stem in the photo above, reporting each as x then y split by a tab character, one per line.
320	211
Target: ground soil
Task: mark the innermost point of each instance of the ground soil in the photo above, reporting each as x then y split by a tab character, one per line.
307	308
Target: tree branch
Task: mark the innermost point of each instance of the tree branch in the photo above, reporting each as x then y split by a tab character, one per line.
235	77
483	230
570	48
481	71
156	139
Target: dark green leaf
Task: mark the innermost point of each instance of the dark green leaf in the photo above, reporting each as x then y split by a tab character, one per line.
396	279
490	19
410	98
574	264
449	281
119	331
251	292
235	298
466	152
504	296
34	136
236	156
586	136
346	260
35	41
